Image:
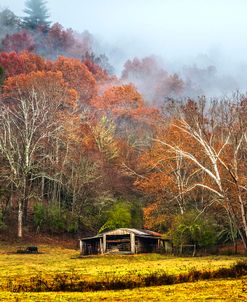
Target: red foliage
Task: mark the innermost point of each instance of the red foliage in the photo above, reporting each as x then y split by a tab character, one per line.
18	42
12	63
59	39
24	62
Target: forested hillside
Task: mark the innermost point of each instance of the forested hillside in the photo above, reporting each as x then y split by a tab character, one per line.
83	150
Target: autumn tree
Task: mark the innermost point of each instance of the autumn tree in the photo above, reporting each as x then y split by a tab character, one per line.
124	105
218	134
22	63
58	40
11	63
98	65
162	176
152	80
18	42
78	77
32	113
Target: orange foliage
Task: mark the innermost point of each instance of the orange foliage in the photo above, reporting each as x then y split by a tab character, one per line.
154	217
77	76
42	83
33	62
123	100
24	62
99	74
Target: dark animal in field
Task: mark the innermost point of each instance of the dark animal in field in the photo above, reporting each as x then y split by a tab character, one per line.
28	250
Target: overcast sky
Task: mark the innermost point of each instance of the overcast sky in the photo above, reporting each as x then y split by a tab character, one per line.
177	30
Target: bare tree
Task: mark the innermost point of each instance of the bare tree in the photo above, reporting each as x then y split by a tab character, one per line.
218	131
26	125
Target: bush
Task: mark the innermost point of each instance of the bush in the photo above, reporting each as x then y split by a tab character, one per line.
1	75
2	224
39	215
190	229
54	219
118	217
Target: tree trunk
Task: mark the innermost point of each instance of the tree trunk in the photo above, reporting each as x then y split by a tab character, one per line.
235	248
42	187
25	199
244	221
181	249
194	250
20	219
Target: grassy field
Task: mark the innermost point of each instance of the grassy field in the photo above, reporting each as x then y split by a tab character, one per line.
216	290
57	267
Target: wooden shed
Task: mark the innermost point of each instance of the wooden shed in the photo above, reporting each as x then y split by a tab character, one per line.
124	240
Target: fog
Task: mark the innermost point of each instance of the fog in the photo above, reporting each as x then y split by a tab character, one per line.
181	33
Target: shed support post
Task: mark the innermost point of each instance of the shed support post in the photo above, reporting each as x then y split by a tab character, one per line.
81	247
101	246
104	243
132	243
158	244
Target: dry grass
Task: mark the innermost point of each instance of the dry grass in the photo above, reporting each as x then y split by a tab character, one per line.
60	260
19	271
228	290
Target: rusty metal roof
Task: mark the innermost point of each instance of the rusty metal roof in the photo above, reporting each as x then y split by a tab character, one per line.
123	231
126	231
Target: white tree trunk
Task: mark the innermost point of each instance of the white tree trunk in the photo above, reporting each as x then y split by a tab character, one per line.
20	218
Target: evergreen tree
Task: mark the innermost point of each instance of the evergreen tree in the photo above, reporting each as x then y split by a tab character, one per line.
37	14
9	21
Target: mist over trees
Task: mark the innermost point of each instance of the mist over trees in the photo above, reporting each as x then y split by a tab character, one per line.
83	150
37	14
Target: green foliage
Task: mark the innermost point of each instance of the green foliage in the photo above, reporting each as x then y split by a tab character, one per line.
2	224
1	75
39	215
136	215
190	229
72	223
54	219
118	217
37	14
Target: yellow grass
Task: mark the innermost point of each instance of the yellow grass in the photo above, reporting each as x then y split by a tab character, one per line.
217	290
61	260
21	268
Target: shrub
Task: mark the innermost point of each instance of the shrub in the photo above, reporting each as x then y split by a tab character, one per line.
2	224
190	229
118	217
39	215
54	218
